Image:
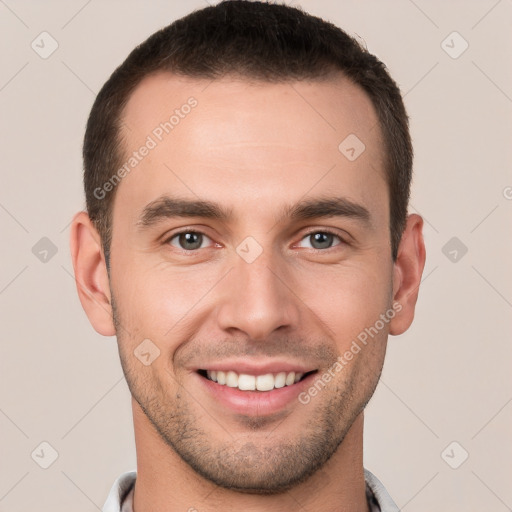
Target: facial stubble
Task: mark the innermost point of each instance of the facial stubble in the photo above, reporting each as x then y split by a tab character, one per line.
270	464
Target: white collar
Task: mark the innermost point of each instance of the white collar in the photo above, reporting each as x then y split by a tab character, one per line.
121	494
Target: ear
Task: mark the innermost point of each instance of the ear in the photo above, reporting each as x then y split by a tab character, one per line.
407	272
91	275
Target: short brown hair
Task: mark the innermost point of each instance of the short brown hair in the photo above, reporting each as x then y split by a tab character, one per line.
256	40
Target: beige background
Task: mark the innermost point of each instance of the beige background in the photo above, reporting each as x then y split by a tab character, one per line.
447	379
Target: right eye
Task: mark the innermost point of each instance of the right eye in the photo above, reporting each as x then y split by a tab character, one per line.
188	240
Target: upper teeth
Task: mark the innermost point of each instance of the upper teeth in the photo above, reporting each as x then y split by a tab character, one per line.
246	382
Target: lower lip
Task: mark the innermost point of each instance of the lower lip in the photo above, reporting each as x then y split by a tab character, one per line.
255	403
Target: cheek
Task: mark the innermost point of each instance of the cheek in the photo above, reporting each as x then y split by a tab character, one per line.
157	301
348	299
351	306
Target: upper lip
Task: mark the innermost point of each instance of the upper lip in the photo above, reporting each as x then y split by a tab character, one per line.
252	368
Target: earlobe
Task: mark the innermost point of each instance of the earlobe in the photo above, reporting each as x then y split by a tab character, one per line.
407	272
91	275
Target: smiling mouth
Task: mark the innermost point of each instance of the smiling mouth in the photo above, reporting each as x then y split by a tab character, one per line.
245	382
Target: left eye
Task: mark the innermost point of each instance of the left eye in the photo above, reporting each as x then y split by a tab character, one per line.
188	240
321	240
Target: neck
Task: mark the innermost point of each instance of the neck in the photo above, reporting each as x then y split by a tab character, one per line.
166	483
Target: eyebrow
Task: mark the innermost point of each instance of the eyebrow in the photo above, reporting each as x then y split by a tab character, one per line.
166	207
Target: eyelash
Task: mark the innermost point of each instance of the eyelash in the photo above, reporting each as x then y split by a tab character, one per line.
323	231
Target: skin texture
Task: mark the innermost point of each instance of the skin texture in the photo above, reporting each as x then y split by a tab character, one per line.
253	148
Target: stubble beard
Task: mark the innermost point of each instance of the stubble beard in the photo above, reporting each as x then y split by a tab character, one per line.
270	466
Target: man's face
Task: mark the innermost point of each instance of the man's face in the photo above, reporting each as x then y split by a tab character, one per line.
260	291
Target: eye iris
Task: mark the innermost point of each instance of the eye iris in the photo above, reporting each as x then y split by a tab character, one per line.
321	240
189	241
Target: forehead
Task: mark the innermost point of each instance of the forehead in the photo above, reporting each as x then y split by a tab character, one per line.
265	143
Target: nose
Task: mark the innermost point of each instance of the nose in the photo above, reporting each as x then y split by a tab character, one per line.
257	299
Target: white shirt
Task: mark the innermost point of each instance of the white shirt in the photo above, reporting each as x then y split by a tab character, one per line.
120	498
